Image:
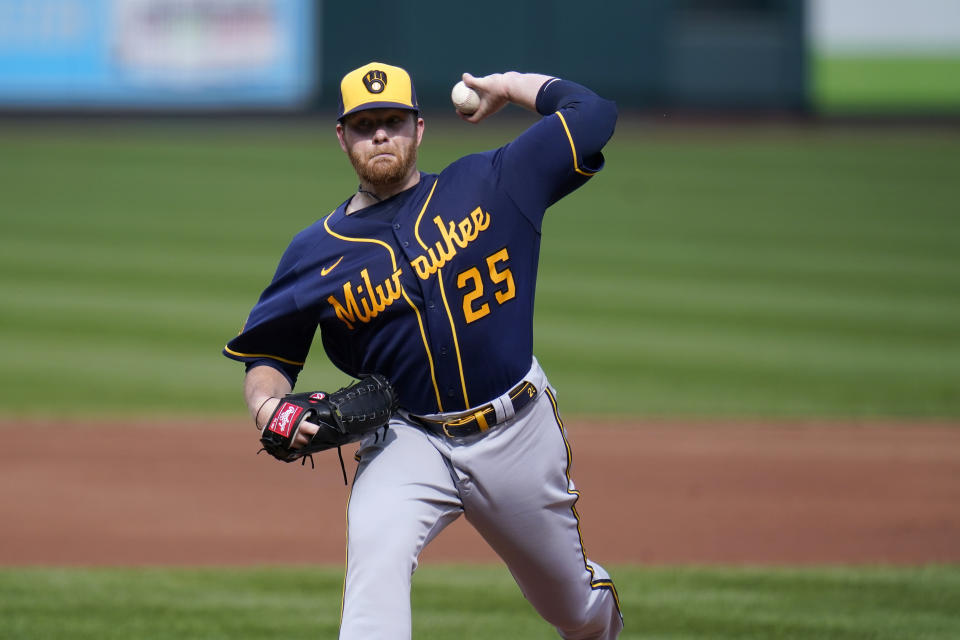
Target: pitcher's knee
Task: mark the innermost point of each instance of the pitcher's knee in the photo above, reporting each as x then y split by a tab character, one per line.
592	630
600	620
571	621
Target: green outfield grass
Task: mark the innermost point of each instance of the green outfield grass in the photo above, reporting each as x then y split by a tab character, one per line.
741	272
870	85
481	603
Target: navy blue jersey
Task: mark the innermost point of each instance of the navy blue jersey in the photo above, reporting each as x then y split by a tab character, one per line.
434	287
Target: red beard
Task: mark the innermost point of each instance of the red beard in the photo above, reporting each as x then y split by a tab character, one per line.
381	171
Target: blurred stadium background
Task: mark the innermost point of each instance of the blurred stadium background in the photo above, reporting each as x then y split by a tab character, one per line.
748	255
809	56
775	239
753	248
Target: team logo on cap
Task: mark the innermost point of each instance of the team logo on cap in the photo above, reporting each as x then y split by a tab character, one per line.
375	81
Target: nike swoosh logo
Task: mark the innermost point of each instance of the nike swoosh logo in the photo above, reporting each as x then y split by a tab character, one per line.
327	270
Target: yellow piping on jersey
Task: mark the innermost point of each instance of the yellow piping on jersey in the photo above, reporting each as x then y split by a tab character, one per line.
262	355
456	342
594	583
393	258
426	346
416	227
446	305
573	148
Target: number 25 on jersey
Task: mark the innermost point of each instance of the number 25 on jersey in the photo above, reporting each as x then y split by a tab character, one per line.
475	305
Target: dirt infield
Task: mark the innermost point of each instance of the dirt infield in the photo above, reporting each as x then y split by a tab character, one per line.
651	493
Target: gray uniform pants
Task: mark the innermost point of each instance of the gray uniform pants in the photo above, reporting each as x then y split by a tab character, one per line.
513	485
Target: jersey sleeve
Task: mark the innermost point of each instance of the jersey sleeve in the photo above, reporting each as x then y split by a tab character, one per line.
278	332
562	151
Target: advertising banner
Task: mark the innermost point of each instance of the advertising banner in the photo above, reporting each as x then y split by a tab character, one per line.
157	53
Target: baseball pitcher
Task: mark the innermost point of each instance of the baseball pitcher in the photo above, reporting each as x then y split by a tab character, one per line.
422	286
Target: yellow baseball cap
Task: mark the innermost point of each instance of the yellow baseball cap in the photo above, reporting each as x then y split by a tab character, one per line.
376	86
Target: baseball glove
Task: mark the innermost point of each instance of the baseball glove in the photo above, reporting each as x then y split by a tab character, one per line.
343	417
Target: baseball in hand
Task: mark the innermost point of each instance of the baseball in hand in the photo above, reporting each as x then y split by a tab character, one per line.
464	98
